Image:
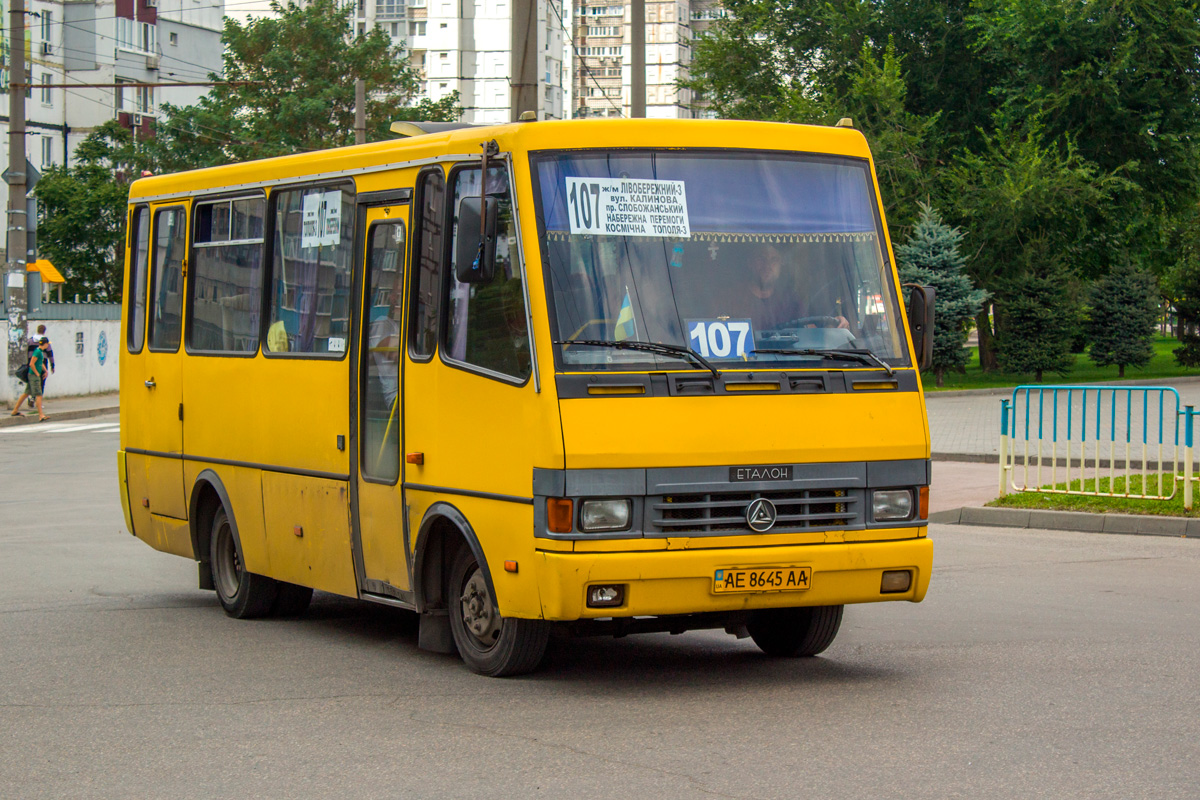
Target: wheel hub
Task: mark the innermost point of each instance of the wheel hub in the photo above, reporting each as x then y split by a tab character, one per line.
479	615
229	564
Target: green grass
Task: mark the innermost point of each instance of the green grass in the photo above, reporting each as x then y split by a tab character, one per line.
1104	505
1162	366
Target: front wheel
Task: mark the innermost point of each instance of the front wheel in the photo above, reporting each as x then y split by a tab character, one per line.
792	632
489	643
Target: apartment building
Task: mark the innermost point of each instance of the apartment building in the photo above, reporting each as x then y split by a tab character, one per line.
127	41
136	41
107	42
603	41
466	47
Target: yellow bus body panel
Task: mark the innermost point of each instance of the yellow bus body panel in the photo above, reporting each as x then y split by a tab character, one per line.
123	479
614	432
505	532
681	582
308	532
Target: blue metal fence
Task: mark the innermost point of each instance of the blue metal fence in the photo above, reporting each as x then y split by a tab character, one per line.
1111	441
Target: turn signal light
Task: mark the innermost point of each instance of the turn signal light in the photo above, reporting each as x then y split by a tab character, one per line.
923	503
559	512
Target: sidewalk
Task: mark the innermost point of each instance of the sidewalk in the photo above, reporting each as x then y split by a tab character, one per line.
60	409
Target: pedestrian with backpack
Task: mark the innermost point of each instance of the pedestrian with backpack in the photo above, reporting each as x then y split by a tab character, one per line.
38	366
34	343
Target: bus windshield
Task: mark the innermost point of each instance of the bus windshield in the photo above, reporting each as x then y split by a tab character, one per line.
766	259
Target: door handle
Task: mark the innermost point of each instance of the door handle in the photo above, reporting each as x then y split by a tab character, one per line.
150	384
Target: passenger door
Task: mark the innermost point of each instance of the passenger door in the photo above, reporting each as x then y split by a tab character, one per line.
380	533
153	405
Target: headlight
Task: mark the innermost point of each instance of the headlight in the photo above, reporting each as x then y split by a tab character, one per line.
892	505
604	515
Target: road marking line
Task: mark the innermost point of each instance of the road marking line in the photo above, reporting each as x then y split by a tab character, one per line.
34	428
74	428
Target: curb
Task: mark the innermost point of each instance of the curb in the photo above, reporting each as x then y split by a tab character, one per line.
83	413
970	458
1136	524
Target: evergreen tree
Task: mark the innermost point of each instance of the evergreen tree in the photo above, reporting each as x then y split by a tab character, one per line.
1039	319
1123	317
931	258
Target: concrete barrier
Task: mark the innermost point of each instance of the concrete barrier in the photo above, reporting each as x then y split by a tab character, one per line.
86	356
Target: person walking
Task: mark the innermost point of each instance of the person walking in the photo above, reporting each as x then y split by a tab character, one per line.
34	343
38	365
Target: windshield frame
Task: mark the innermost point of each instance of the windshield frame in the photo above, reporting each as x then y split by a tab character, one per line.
654	363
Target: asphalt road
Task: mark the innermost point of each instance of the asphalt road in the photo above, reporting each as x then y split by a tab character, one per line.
1048	665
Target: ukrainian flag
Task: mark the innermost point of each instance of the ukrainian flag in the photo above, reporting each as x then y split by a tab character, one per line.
626	327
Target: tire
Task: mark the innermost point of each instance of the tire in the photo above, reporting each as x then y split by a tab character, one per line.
243	594
291	601
488	643
792	632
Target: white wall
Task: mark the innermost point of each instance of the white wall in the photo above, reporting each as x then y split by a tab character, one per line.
75	372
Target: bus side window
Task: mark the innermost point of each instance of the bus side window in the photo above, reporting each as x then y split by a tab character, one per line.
226	275
166	290
487	322
428	252
309	287
138	269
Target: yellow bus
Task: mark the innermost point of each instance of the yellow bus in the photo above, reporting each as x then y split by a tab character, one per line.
607	376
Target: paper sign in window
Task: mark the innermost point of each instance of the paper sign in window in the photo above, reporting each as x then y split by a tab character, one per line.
628	207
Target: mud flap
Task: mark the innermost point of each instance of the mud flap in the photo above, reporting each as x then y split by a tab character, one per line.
434	633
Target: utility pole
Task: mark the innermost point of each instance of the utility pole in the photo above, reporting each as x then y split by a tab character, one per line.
360	111
15	278
637	59
523	44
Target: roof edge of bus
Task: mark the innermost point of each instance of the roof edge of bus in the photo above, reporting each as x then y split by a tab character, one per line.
418	134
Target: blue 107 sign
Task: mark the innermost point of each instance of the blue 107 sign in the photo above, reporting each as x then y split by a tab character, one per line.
721	338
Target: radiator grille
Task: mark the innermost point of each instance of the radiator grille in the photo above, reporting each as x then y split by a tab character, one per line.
726	511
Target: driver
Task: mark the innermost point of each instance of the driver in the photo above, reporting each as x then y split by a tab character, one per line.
762	299
766	302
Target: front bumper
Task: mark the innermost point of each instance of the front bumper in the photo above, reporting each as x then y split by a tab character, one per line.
665	582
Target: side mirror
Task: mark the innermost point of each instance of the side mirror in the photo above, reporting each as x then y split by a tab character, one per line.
472	263
920	321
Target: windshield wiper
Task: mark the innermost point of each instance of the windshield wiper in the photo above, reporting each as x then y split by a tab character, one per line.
650	347
861	356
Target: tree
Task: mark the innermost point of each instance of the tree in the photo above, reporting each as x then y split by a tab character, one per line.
1024	99
1182	286
1121	79
1123	318
931	258
82	210
1027	205
1039	318
292	90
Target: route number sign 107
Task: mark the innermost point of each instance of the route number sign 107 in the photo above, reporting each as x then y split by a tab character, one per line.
721	338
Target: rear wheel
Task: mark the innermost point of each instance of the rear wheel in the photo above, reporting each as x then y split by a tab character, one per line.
243	594
792	632
489	643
